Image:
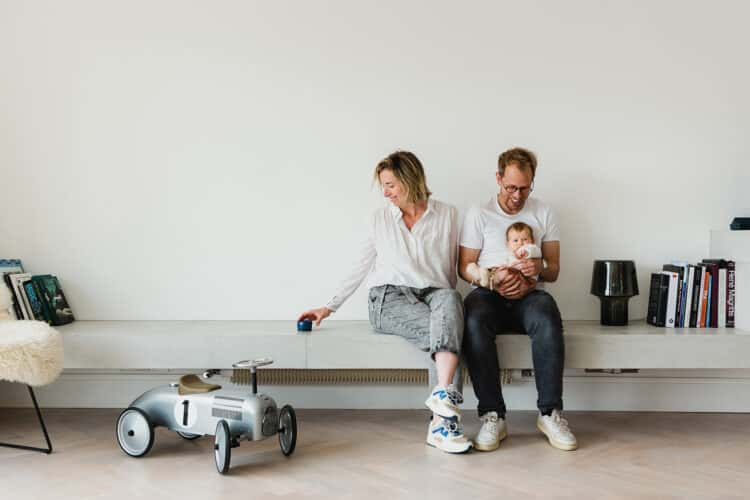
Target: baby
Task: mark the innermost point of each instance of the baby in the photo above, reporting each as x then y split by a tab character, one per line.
519	240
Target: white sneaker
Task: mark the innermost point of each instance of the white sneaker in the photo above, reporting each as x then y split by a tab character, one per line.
444	401
446	434
555	427
493	431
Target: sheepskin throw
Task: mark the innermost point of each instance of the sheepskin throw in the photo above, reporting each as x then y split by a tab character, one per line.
31	352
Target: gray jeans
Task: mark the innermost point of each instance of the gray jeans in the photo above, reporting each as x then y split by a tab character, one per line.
430	318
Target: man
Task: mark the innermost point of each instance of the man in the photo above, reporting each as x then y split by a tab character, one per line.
515	301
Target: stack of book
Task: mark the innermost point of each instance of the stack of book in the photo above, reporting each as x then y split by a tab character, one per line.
38	297
699	295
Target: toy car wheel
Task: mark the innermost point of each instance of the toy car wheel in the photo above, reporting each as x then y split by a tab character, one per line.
135	432
222	447
287	430
187	435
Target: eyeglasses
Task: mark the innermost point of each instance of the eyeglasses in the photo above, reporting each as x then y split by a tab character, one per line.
511	189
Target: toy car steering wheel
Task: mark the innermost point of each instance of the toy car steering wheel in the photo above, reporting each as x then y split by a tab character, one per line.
252	363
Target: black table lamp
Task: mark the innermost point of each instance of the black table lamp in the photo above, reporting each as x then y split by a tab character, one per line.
614	282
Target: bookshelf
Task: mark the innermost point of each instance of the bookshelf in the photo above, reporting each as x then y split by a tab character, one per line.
735	245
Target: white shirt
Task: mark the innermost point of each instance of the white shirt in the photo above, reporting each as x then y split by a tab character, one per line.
392	255
485	225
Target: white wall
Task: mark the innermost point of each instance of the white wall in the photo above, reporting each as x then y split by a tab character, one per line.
212	160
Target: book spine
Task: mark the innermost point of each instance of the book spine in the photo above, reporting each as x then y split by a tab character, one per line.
661	312
15	306
688	296
704	299
25	306
672	299
722	300
43	301
730	293
653	299
714	296
36	306
695	302
673	268
709	319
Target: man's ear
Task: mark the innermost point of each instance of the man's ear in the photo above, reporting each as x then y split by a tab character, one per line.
498	177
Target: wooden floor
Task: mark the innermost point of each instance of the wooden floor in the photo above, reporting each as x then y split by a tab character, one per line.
355	454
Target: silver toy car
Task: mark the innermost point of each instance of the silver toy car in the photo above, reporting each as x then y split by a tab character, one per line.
194	408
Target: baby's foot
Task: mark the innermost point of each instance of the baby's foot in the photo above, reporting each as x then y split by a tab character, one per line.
485	277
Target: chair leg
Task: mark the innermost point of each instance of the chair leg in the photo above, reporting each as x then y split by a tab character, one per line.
46	450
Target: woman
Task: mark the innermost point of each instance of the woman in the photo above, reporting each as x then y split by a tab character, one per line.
410	265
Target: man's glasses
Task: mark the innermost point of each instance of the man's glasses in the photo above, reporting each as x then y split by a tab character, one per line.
524	191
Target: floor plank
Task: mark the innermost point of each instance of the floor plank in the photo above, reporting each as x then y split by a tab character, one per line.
358	454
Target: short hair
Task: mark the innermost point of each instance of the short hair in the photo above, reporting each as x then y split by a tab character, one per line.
520	157
407	168
519	227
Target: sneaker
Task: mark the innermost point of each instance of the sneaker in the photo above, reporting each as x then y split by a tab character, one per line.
444	401
446	434
493	431
555	427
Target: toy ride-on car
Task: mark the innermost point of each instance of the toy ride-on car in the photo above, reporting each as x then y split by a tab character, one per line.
194	408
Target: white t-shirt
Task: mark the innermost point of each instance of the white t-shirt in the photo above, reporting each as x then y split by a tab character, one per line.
485	225
424	257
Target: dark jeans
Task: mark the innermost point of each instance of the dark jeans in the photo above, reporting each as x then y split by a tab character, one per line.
487	314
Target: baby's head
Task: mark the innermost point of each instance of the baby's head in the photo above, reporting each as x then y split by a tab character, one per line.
518	235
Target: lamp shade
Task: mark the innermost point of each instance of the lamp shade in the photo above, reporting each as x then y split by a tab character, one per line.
614	282
614	278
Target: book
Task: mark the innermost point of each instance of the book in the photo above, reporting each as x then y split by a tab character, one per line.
15	308
704	297
722	299
689	296
713	266
671	299
34	302
730	293
708	299
678	303
695	302
17	280
684	291
8	266
657	299
53	299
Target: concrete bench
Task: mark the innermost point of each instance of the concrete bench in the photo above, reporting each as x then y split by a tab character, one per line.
127	345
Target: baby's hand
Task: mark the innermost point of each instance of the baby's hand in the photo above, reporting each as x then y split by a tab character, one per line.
521	253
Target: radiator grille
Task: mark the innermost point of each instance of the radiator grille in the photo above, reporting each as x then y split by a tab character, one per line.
290	376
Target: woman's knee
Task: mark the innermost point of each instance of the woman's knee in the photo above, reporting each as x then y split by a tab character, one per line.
449	300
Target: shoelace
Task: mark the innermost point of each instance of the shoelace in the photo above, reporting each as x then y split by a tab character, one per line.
454	396
560	421
453	427
490	421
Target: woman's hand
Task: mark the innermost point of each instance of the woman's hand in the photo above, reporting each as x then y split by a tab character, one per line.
316	315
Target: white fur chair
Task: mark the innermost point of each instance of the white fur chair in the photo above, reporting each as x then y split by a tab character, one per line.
31	353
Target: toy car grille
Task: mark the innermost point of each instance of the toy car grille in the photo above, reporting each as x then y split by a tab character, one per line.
224	413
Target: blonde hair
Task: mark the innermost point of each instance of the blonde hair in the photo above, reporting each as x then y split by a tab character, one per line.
520	157
519	227
407	168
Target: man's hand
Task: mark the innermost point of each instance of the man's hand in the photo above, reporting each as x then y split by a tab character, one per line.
514	285
529	267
